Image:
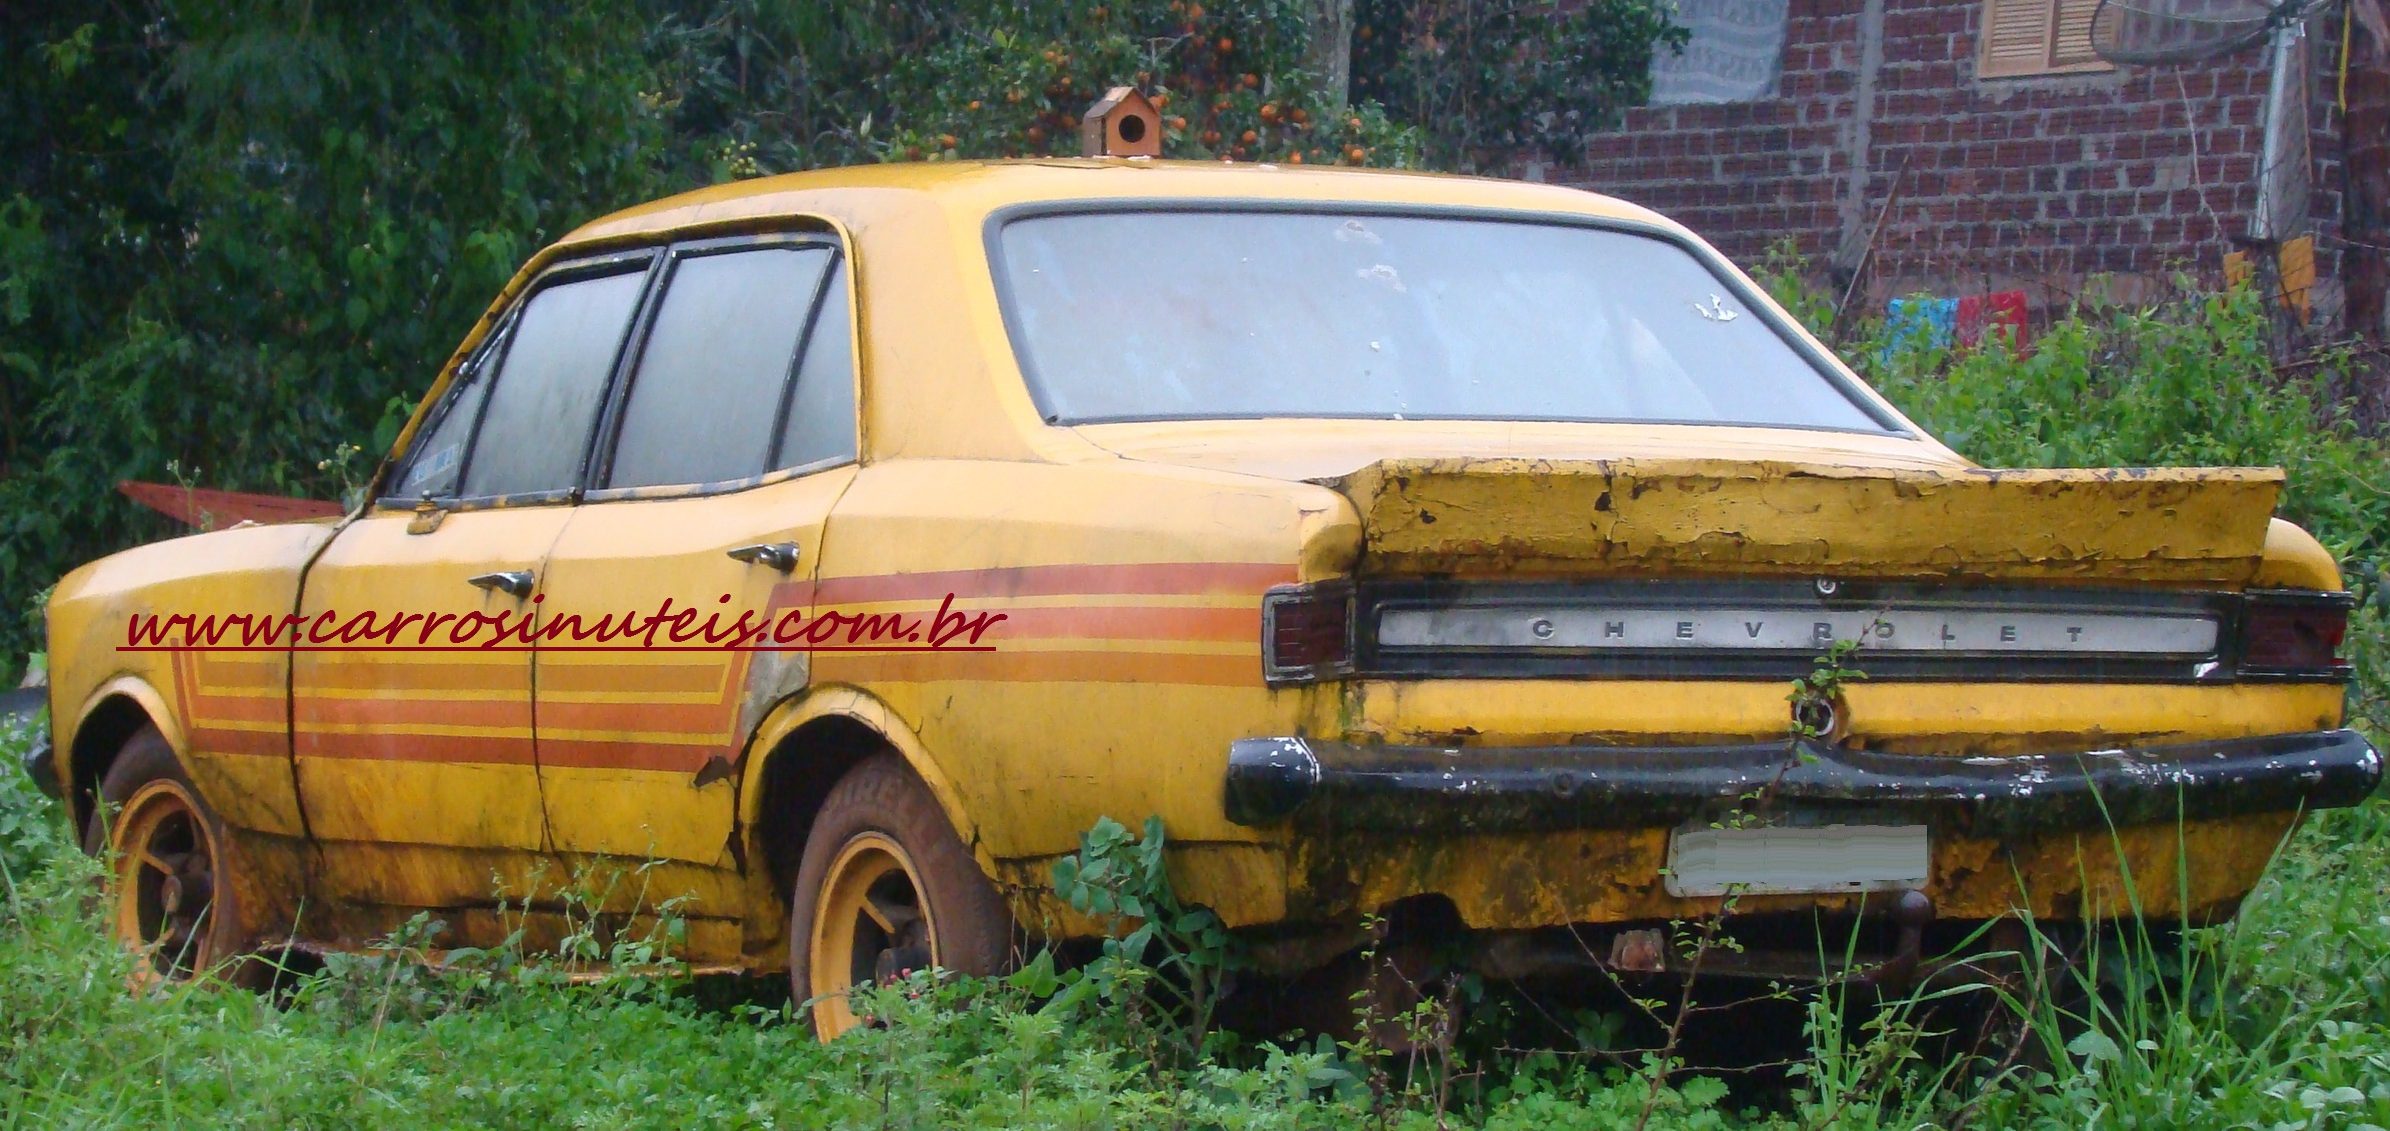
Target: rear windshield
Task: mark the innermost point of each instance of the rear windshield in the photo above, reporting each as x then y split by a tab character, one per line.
1161	315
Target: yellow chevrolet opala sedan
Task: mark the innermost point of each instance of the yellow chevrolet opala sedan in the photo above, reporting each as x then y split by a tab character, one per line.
1433	556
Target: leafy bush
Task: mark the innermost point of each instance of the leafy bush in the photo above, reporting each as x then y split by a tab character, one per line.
32	827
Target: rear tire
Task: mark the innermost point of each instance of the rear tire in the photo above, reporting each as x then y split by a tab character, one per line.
885	887
171	876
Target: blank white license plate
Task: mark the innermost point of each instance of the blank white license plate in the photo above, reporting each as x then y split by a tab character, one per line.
1815	858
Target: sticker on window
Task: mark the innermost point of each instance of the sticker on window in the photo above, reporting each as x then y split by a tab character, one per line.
436	465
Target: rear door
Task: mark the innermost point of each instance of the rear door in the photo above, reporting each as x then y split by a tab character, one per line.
734	436
413	744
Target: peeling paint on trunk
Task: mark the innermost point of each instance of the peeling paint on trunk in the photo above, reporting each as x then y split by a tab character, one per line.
1697	517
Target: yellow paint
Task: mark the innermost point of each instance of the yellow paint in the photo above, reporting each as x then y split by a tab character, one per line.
623	735
2294	264
2298	274
1955	719
1129	560
1694	516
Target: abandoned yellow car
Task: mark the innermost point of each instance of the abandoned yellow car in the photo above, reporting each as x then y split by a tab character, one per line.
1432	555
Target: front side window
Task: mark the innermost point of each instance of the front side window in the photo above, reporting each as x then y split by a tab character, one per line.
711	378
1162	315
544	398
437	458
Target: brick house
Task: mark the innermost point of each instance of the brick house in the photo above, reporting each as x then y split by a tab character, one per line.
2022	160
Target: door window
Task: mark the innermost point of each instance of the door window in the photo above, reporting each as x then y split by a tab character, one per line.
711	378
544	398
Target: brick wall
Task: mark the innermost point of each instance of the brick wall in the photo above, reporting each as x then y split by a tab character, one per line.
2031	182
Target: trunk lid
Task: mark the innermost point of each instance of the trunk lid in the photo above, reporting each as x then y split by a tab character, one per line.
2192	527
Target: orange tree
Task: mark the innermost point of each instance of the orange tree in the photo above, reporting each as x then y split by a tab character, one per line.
1445	83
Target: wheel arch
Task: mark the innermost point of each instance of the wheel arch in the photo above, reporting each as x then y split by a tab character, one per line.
109	716
799	752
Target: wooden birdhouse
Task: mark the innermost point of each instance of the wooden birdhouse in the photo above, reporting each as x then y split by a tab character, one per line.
1123	123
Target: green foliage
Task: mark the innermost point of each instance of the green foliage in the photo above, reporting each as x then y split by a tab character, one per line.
32	827
230	234
1174	956
1492	82
1817	695
1449	85
776	87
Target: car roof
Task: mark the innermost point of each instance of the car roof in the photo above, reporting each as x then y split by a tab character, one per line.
981	187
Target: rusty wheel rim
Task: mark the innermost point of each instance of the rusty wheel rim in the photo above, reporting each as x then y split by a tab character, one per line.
870	925
165	880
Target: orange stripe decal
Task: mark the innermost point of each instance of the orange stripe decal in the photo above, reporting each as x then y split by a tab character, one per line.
235	705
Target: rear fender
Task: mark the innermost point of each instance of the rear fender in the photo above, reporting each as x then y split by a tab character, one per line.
766	905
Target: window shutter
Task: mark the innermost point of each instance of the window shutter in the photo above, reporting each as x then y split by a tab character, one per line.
2037	37
2016	37
2073	48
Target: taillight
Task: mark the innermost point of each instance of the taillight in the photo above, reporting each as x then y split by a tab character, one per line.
1306	632
2293	634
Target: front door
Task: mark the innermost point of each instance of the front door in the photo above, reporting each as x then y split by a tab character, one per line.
412	693
736	436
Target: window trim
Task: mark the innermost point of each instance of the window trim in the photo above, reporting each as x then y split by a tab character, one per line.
483	356
618	399
1730	278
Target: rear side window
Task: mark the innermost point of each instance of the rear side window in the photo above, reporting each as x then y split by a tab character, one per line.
711	379
545	396
821	411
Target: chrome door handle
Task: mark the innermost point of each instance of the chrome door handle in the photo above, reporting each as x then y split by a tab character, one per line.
515	582
781	556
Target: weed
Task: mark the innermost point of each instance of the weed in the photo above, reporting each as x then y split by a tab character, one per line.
1175	957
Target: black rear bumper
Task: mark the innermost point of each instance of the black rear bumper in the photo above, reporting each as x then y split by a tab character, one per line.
1511	789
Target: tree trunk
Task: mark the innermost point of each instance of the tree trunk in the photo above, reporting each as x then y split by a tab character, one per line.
1331	52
